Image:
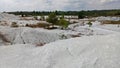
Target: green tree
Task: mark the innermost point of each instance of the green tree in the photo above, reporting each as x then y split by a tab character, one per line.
81	14
52	18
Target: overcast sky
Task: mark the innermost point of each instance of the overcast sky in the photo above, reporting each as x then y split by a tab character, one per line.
50	5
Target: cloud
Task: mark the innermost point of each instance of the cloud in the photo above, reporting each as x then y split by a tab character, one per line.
48	5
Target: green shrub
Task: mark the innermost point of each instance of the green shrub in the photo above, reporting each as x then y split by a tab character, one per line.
63	23
52	18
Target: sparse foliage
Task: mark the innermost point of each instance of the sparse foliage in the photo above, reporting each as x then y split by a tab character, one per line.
35	17
63	37
90	24
63	23
110	22
38	25
14	24
42	18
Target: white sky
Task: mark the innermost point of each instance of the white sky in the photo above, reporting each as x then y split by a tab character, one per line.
48	5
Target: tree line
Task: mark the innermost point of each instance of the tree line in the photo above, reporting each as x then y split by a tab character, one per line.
89	13
60	21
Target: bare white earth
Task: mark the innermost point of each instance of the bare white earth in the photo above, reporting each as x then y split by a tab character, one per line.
80	46
83	52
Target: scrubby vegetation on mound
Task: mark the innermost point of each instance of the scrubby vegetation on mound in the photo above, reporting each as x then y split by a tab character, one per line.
14	24
111	22
38	25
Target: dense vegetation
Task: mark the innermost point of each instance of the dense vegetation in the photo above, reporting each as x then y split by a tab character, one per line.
81	14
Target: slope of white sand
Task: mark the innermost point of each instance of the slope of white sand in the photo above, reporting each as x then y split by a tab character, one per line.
25	35
29	35
5	16
108	18
83	52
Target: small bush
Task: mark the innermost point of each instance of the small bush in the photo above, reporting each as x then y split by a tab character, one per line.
14	24
63	37
63	23
90	24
